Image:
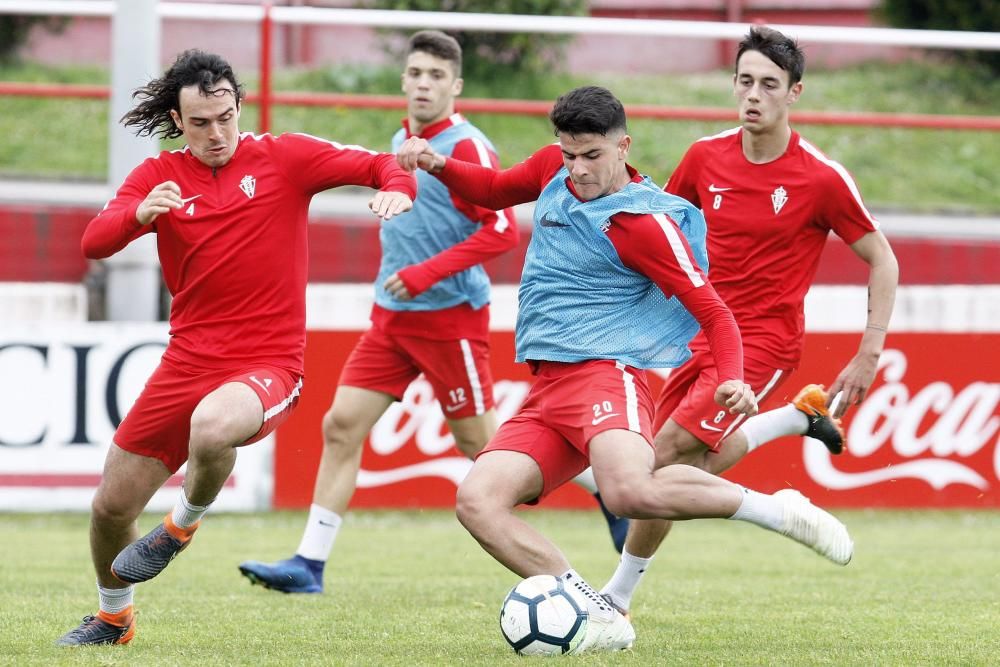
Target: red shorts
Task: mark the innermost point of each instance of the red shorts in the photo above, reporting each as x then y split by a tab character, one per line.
159	423
458	370
688	397
567	406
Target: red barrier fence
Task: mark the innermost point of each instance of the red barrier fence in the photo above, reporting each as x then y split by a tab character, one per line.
925	437
42	243
538	108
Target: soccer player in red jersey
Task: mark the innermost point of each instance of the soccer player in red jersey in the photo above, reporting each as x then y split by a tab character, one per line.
770	199
612	284
230	214
431	315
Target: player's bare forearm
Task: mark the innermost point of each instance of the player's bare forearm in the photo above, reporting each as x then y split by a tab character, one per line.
883	278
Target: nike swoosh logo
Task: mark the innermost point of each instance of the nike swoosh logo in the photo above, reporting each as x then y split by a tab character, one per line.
184	201
452	408
708	427
598	420
549	222
713	188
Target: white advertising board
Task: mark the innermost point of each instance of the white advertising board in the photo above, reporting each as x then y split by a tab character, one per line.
63	390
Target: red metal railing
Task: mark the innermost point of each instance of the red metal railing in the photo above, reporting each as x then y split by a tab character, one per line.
533	108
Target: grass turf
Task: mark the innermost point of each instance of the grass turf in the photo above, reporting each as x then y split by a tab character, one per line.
412	588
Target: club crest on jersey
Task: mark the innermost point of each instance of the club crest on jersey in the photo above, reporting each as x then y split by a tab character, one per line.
778	199
248	185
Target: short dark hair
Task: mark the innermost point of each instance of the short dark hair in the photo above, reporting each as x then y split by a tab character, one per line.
438	44
588	110
193	67
780	49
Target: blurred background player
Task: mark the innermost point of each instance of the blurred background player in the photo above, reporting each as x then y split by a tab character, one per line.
770	199
230	213
431	316
610	286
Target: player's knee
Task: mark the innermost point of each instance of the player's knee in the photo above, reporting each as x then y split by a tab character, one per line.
625	500
675	445
210	431
667	448
112	511
337	430
471	445
472	506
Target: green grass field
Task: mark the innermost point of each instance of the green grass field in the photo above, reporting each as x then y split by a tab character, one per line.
412	588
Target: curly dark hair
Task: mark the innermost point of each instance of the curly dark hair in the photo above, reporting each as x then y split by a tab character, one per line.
158	97
588	110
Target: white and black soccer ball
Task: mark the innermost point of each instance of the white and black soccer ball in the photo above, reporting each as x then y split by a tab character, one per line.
543	616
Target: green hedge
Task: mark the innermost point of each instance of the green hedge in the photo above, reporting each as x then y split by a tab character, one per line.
14	31
972	15
489	54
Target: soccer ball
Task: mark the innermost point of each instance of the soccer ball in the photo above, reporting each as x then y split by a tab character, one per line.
542	616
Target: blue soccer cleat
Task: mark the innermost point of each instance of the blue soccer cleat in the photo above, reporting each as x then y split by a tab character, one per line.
293	575
617	526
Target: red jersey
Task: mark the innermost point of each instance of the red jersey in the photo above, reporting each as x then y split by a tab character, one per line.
641	241
234	256
767	225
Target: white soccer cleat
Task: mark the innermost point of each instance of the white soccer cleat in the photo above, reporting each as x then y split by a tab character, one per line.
817	529
607	629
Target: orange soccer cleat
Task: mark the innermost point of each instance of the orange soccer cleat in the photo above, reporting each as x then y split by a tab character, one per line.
811	401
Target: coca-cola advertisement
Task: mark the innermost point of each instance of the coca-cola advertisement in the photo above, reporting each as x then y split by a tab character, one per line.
926	435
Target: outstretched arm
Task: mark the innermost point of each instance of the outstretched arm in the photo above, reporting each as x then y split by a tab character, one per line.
396	188
480	185
498	232
855	379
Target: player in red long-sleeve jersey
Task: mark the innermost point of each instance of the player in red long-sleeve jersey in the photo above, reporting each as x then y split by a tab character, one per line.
230	214
613	283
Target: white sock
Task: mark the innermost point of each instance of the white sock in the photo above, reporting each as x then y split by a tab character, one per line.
321	531
767	426
626	579
587	481
185	514
760	509
114	600
597	603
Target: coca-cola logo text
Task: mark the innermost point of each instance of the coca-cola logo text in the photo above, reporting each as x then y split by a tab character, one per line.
964	421
419	417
